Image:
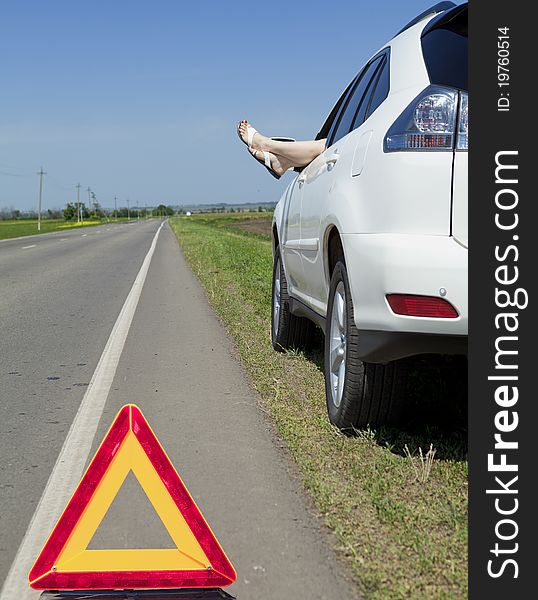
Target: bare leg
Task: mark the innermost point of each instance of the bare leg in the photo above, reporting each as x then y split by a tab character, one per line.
279	164
298	154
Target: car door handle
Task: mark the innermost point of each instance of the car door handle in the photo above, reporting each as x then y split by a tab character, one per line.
331	160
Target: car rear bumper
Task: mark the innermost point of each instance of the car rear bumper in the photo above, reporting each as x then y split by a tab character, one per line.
381	264
385	346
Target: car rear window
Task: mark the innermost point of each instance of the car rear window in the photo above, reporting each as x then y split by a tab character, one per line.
444	47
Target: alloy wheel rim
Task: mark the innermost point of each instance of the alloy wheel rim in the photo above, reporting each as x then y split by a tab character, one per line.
337	345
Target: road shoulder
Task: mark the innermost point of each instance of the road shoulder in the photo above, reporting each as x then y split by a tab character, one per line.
180	366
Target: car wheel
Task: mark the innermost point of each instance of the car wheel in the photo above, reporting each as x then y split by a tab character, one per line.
287	330
358	393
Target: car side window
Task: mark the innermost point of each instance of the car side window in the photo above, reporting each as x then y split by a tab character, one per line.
376	93
330	120
345	119
381	89
329	133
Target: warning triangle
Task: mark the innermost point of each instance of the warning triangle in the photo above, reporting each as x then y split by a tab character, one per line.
130	446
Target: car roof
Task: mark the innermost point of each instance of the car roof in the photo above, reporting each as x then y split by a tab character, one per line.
433	10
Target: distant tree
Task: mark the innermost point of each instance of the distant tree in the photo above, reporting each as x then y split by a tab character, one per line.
96	212
70	212
9	213
163	211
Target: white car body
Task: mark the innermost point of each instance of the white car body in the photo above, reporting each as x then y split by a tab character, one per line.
401	218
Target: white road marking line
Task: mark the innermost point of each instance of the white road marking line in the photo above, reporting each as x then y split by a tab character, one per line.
72	458
63	239
84	234
26	237
26	247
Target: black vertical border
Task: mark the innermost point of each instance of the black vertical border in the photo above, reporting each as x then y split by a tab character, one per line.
493	131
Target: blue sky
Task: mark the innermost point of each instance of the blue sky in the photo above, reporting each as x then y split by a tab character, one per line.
140	99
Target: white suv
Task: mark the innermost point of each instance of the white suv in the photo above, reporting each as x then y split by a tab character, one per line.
370	239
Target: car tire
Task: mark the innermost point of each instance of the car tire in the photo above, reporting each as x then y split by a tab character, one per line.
359	394
287	330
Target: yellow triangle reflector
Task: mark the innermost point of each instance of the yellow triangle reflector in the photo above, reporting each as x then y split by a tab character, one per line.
65	561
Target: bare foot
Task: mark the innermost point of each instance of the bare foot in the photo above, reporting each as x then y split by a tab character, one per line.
259	141
278	163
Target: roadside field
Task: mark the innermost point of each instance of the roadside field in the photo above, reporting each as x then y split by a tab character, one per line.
23	227
251	222
253	225
399	514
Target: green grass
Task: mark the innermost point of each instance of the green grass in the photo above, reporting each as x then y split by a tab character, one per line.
23	227
401	528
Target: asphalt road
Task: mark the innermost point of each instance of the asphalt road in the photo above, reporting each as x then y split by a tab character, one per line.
60	296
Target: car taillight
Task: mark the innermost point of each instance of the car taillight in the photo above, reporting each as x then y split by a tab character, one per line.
411	305
429	122
462	143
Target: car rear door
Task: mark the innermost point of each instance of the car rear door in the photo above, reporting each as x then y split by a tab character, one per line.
317	181
291	231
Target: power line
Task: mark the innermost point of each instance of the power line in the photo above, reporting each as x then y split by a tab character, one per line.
13	174
58	184
22	172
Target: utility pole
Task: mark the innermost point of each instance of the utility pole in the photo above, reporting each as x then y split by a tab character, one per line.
78	202
41	173
128	210
89	198
115	208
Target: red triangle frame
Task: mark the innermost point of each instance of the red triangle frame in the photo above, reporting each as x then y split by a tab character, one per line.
42	576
